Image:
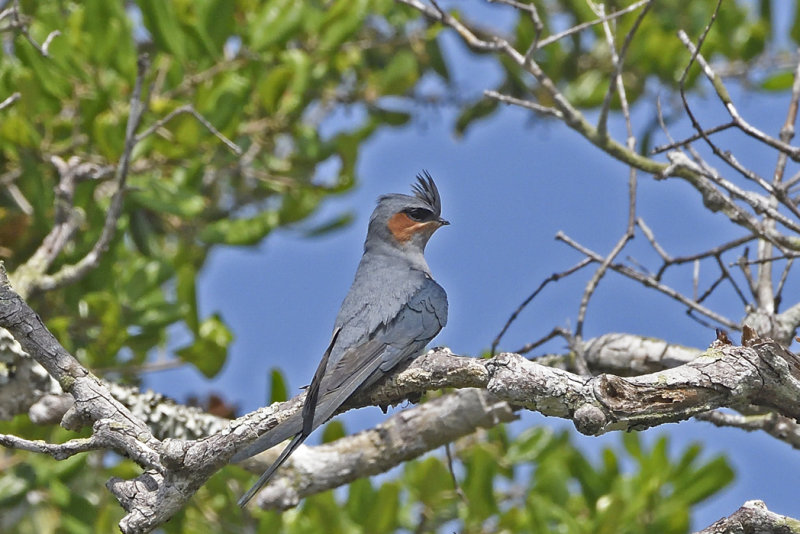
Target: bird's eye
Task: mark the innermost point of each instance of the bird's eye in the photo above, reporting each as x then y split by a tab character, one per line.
418	214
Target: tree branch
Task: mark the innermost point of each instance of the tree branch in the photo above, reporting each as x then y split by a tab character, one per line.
10	100
762	373
402	437
754	518
777	426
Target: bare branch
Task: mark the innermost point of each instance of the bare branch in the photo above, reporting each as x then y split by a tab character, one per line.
402	437
691	139
188	109
594	404
784	277
618	60
533	106
762	373
724	96
555	332
59	451
43	49
555	277
753	516
591	286
650	281
775	425
716	251
66	220
580	27
10	100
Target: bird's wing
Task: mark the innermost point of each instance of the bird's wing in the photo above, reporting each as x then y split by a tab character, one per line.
404	336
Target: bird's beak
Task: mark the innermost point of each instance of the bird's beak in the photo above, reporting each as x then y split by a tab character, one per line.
442	222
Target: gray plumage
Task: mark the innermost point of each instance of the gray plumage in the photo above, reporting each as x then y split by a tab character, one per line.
393	309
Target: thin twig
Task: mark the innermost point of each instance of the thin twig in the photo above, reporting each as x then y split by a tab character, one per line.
727	157
650	281
782	281
66	219
677	144
788	184
618	61
732	281
775	425
555	277
59	451
787	256
591	286
23	29
451	469
744	265
651	238
757	202
188	109
506	99
580	27
765	271
10	100
555	332
701	255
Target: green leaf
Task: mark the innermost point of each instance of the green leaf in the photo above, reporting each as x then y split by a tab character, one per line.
429	481
220	102
299	204
333	431
339	221
217	17
529	445
322	513
382	516
278	392
479	110
706	481
340	22
109	134
274	23
162	22
360	499
479	483
283	90
780	81
400	74
436	58
632	444
186	292
141	231
588	89
392	118
209	350
166	196
247	231
272	87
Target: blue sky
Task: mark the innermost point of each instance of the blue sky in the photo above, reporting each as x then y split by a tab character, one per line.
507	187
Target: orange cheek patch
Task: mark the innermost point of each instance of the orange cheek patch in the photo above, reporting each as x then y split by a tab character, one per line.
403	228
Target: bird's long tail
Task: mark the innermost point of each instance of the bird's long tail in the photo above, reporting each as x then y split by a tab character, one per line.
290	448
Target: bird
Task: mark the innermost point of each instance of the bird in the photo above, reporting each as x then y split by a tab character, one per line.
393	309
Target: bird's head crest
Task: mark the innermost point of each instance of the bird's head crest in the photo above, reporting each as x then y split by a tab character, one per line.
425	189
